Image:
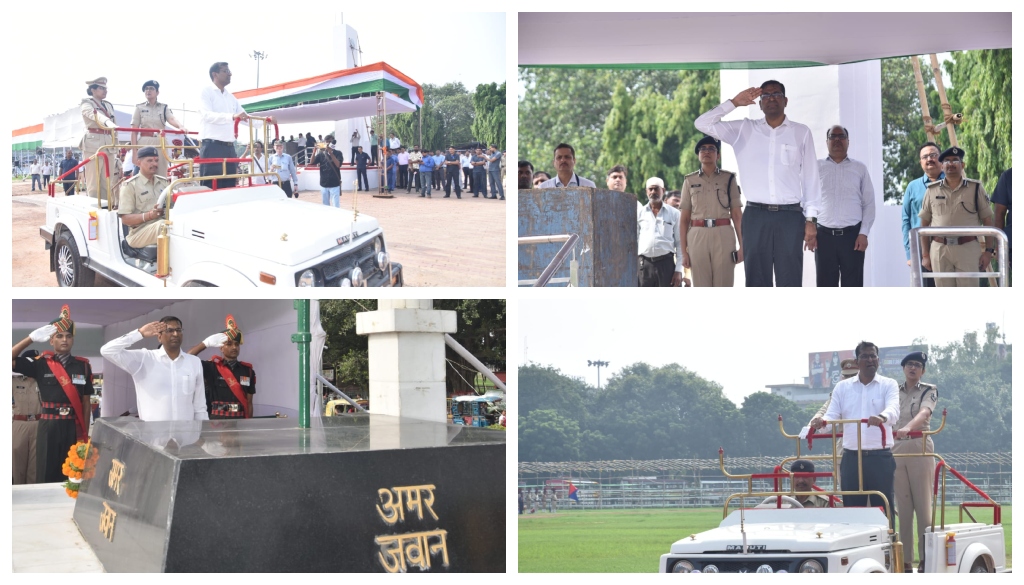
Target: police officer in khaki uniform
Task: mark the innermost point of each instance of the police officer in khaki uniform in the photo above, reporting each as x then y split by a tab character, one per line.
806	484
98	116
914	479
710	204
153	114
27	408
138	201
955	201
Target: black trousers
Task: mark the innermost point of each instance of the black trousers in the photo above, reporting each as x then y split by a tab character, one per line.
773	243
373	154
835	259
413	180
217	149
451	175
69	187
355	151
364	181
54	439
467	178
286	186
655	271
879	475
403	175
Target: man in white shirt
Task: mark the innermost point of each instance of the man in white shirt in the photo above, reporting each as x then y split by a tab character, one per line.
565	163
847	213
218	110
875	398
780	179
47	171
36	170
657	227
168	381
394	143
259	164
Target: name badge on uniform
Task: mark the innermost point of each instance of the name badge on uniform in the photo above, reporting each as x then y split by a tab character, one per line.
47	375
243	380
940	196
144	192
695	186
79	379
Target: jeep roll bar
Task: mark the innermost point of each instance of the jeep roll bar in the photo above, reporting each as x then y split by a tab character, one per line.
917	275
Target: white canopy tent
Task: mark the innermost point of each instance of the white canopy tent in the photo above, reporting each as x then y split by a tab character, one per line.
65	130
267	326
749	40
828	62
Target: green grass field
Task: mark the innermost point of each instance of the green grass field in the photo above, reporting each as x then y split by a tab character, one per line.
631	541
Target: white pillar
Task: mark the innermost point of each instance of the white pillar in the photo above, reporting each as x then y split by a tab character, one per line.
346	56
407	358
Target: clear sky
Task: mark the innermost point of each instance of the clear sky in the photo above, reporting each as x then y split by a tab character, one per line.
742	341
297	37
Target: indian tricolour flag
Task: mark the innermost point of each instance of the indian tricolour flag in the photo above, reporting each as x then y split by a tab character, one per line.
28	138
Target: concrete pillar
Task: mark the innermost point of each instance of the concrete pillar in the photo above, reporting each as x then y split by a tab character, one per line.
407	363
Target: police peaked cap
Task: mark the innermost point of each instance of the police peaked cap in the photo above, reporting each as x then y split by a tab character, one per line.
802	466
952	151
148	151
917	356
707	140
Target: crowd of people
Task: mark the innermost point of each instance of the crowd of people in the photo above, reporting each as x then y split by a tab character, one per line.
794	202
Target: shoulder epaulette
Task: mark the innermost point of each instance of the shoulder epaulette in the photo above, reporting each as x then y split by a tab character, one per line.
934	183
693	173
80	358
246	364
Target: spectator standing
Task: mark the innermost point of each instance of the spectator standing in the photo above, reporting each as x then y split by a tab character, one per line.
374	144
565	164
392	169
525	175
438	169
330	174
394	143
36	169
66	165
361	159
658	239
1002	198
616	179
928	154
355	144
415	158
452	165
494	171
467	169
427	169
284	166
847	213
539	177
47	170
403	167
479	162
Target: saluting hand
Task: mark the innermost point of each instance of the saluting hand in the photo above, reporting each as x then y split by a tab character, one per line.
152	329
747	97
216	340
43	334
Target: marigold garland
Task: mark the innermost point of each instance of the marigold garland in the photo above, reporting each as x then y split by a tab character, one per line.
79	465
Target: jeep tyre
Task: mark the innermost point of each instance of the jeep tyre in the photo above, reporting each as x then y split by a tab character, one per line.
68	264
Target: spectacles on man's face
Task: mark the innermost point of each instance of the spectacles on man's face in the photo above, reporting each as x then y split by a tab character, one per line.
867	357
952	161
932	156
172	330
837	137
707	149
917	365
775	95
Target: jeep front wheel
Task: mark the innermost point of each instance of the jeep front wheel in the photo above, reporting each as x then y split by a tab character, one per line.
68	263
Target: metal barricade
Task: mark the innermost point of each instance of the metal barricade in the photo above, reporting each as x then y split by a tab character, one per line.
546	275
917	275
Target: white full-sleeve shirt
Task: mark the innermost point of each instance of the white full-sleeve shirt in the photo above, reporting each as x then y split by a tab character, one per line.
853	400
217	109
847	196
165	389
777	166
658	235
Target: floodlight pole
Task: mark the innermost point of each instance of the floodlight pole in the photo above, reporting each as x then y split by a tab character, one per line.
259	56
598	364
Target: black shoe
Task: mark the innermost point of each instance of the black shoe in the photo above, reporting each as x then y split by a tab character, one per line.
422	195
475	196
446	196
458	196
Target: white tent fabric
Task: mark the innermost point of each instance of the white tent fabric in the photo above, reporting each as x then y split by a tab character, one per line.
750	38
316	352
338	110
65	130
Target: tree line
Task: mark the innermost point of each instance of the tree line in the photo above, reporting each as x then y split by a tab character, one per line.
453	115
669	412
644	119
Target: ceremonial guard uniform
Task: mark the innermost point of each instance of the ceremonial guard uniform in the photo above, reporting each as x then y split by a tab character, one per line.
65	382
98	117
155	116
229	383
710	239
965	205
25	425
914	475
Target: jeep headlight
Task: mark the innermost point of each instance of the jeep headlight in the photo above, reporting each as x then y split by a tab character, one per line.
710	569
682	566
811	566
378	245
307	278
345	282
383	260
766	568
357	277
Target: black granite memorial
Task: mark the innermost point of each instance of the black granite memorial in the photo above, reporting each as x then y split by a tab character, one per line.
366	493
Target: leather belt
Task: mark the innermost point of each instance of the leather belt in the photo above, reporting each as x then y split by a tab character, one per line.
836	231
766	207
954	241
710	222
655	258
26	417
98	131
61	411
147	133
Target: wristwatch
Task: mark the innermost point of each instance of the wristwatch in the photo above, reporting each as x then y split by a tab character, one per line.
884	418
990	250
813	220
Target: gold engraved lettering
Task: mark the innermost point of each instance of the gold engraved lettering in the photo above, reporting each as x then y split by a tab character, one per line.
115	476
414	501
395	512
400	551
107	519
392	546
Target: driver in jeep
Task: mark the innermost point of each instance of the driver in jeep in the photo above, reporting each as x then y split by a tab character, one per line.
137	207
804	483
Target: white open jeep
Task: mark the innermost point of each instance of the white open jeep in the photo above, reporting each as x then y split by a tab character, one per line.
240	236
779	535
